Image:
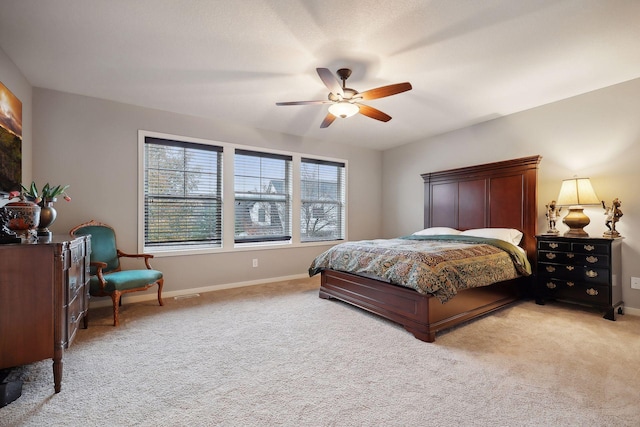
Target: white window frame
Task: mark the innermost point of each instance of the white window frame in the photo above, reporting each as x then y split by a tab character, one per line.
228	221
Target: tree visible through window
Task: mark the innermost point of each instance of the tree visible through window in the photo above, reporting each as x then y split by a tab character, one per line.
323	200
182	194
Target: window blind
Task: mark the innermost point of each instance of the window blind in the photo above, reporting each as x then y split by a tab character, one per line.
322	213
182	194
262	186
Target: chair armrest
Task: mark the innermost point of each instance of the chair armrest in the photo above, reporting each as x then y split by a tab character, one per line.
99	266
146	257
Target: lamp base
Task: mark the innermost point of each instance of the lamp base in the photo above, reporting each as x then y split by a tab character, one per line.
576	220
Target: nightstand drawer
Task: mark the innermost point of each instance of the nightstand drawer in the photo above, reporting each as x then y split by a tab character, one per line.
572	291
546	245
574	272
592	260
589	248
595	275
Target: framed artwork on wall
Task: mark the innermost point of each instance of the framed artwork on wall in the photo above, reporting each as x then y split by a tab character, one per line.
10	141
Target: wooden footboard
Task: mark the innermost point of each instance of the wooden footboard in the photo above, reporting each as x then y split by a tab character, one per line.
422	315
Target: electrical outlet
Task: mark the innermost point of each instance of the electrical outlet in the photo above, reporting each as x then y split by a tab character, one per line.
635	283
255	262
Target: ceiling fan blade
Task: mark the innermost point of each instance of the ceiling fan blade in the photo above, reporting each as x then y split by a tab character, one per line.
374	113
383	91
303	102
327	120
330	81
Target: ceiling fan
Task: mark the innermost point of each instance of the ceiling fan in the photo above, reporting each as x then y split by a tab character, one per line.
345	102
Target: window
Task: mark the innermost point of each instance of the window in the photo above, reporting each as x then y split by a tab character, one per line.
278	197
182	194
262	185
322	209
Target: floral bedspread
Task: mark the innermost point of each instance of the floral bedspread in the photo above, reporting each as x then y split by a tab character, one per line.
439	265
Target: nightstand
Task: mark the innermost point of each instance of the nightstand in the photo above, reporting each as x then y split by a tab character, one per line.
579	270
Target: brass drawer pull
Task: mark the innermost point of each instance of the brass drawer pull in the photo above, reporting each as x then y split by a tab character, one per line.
553	245
551	268
550	255
592	259
592	292
569	267
570	284
589	247
592	274
551	285
570	255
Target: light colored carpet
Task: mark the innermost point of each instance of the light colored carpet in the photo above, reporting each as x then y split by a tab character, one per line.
278	355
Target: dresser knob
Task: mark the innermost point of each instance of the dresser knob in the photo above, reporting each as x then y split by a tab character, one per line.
550	255
570	255
570	284
589	247
592	292
592	274
569	267
553	245
551	268
551	285
592	259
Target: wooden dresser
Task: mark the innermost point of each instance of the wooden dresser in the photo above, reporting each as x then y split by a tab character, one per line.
584	271
44	294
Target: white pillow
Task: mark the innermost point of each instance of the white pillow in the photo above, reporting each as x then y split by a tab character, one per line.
510	235
436	231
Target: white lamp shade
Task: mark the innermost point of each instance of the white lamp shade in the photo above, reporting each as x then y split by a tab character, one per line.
577	191
343	109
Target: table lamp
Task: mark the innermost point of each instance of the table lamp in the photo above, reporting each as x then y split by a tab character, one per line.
575	193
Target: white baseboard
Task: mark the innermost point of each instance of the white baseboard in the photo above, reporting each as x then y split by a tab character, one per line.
106	301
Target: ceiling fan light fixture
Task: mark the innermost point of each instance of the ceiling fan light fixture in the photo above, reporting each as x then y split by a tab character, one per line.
343	109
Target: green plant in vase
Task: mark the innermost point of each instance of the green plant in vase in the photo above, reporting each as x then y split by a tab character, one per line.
45	199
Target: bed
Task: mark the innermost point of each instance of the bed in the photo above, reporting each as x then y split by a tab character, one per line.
495	195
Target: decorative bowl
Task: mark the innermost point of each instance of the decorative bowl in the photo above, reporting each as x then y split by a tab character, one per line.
24	216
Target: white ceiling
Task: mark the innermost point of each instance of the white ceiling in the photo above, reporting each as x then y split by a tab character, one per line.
232	60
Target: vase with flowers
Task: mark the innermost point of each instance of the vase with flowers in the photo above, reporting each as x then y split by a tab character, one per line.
45	198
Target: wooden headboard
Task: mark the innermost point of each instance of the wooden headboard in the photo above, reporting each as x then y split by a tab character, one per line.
500	194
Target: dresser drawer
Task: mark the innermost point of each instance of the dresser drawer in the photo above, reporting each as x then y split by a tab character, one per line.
75	310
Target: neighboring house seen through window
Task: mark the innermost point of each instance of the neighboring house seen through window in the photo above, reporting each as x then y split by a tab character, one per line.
262	183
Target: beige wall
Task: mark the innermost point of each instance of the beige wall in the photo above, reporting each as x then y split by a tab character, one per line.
92	144
595	135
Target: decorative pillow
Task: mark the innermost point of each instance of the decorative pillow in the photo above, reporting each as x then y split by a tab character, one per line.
436	231
510	235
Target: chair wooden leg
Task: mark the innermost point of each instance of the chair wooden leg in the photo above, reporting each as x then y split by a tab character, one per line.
115	297
160	285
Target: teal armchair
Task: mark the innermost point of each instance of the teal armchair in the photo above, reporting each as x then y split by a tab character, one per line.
107	276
